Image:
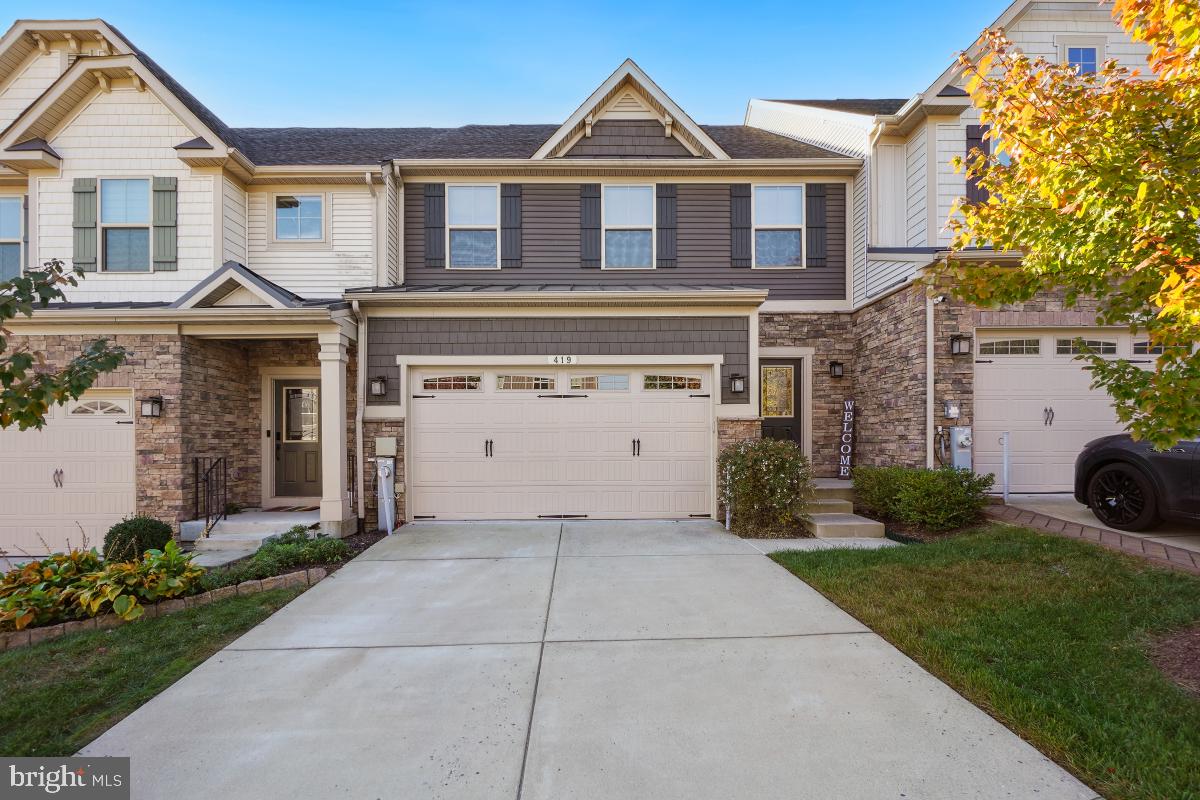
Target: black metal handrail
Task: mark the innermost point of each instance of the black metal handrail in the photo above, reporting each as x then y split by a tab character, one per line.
212	489
352	480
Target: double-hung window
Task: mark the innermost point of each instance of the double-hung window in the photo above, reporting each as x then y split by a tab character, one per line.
299	218
473	227
779	226
125	224
628	216
10	238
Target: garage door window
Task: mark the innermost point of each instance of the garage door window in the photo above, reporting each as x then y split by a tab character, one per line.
657	383
600	383
526	383
453	383
1144	348
1074	347
92	408
1010	347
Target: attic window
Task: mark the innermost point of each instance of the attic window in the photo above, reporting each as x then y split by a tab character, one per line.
1083	59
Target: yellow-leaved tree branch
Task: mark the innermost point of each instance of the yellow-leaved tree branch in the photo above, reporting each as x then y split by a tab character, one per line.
1095	180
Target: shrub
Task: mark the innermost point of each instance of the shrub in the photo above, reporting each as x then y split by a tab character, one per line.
287	552
123	585
767	483
934	500
129	538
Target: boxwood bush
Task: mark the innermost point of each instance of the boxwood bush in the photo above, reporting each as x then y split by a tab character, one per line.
934	500
133	536
768	485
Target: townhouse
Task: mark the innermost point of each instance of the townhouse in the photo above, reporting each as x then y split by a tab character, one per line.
552	320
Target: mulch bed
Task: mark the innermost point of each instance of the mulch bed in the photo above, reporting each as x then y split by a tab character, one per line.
1177	655
361	541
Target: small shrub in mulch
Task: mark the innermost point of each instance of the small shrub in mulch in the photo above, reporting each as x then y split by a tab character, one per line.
1177	655
768	485
922	503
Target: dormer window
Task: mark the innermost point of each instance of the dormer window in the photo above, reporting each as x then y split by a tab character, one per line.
125	224
1085	60
628	218
10	238
299	218
473	227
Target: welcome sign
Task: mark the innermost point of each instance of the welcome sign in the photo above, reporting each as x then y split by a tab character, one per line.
846	441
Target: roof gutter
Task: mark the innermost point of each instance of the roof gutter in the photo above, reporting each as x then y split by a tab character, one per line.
722	297
665	166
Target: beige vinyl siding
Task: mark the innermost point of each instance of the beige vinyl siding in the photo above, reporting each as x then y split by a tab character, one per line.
860	221
27	85
345	260
233	223
881	276
951	139
917	223
127	133
889	214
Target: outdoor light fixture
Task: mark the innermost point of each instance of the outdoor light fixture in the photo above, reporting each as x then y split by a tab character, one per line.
737	383
152	406
836	369
378	386
960	345
951	409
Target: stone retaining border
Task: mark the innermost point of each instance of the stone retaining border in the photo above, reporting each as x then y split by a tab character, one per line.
1164	555
305	577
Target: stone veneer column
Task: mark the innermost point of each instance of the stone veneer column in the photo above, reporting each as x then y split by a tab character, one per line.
335	504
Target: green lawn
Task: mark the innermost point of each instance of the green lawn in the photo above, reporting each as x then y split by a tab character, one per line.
1048	635
57	696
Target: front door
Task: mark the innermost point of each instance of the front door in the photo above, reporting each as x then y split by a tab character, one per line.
779	385
297	434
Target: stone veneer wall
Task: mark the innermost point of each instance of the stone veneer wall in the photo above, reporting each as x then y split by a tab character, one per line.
372	429
831	337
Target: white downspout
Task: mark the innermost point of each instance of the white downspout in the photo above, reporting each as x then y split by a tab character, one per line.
360	402
929	380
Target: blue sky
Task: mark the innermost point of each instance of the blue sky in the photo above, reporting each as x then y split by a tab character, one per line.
358	63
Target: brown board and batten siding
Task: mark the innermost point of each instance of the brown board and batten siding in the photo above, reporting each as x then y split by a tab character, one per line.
550	250
728	337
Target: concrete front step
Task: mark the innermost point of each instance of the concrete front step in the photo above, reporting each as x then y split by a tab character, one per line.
839	526
831	505
266	523
833	489
233	541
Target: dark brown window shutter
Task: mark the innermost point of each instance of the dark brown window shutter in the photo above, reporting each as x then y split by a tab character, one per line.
435	225
975	141
667	235
510	225
815	250
25	232
740	225
589	225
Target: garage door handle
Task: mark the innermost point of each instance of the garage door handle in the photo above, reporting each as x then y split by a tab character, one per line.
1051	416
124	422
58	478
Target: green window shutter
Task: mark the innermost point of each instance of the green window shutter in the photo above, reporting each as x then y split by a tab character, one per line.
84	225
166	238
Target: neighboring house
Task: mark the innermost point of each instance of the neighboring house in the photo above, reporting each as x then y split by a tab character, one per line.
547	320
1021	377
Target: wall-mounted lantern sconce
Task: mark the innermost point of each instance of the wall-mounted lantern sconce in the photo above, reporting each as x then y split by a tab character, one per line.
152	406
836	369
951	409
960	345
737	383
378	386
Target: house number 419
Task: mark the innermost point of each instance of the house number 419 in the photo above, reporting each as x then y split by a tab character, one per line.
563	361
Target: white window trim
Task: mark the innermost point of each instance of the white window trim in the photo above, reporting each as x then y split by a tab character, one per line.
102	226
298	244
449	227
1068	40
605	228
20	240
755	227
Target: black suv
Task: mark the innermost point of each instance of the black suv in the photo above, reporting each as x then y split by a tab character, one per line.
1131	486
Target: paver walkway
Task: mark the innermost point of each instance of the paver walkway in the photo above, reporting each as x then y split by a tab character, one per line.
548	661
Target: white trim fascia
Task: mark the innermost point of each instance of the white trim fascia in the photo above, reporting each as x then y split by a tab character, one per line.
418	169
629	69
617	360
601	298
805	306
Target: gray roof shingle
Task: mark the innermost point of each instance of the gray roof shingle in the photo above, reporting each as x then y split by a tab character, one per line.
868	107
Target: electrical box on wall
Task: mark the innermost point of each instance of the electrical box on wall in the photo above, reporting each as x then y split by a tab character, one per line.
960	447
385	446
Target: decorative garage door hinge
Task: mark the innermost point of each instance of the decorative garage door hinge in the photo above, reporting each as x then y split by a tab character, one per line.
562	516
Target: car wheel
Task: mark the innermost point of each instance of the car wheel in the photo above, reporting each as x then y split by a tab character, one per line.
1122	497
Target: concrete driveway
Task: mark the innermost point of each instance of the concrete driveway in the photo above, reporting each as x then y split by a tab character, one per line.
549	661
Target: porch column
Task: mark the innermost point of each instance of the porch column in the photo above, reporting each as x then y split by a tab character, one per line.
335	503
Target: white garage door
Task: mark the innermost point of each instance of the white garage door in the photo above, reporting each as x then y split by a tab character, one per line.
1028	383
71	480
524	443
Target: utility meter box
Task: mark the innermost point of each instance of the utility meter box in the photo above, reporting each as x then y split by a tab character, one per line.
960	447
385	446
